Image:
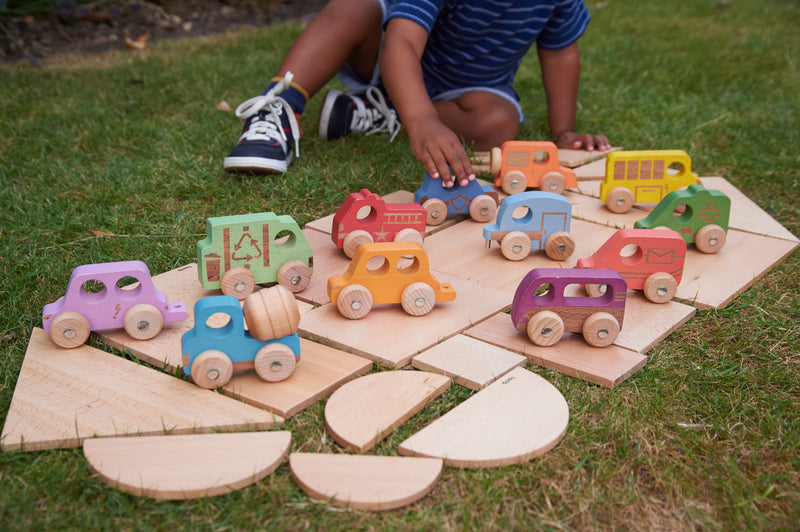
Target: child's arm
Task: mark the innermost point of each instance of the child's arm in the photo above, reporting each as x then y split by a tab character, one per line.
432	142
560	74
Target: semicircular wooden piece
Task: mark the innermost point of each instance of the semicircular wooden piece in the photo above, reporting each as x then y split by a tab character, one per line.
187	466
516	418
366	409
365	482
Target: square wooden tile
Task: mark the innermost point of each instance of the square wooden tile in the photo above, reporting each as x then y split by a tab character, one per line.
470	362
64	396
606	366
392	337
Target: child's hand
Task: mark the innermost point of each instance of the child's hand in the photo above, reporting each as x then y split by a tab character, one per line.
441	152
576	141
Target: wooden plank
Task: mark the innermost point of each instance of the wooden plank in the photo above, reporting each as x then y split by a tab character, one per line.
64	396
461	251
713	281
593	171
511	421
321	370
647	324
364	411
188	466
363	482
606	366
579	158
392	337
746	215
470	362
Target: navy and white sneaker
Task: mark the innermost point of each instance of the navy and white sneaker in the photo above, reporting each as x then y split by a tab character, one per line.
367	112
271	133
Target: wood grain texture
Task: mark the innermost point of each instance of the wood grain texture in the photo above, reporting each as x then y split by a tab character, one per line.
514	419
606	366
321	370
470	362
64	396
187	466
363	482
392	337
367	409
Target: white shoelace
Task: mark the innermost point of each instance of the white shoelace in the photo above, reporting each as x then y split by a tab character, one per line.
380	118
270	127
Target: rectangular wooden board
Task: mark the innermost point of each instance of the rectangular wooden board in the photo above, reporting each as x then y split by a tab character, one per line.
606	366
392	337
64	396
321	370
470	362
593	171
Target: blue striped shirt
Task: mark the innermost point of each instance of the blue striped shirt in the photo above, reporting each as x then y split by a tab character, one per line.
481	42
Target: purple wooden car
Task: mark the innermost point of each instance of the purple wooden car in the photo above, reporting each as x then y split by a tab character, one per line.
550	301
109	296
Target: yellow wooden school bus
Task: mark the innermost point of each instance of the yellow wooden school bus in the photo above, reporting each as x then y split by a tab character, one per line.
644	177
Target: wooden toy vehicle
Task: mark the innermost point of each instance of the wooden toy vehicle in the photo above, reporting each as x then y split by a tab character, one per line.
521	164
479	201
649	259
542	219
542	309
366	217
109	296
244	250
212	350
644	177
387	272
698	214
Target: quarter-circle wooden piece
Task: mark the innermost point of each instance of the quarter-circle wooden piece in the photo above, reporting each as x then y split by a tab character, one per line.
187	466
365	482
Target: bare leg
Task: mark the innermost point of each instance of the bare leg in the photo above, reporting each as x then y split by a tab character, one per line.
344	31
483	119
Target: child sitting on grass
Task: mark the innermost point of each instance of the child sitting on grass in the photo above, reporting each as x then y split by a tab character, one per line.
443	68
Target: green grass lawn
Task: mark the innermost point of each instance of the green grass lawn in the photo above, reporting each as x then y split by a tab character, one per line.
119	157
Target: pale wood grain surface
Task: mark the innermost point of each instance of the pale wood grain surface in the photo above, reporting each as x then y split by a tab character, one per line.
367	409
470	362
514	419
64	396
363	482
187	466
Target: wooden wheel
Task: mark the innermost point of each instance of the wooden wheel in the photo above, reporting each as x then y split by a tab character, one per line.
482	209
271	313
595	290
600	329
69	329
294	276
211	369
418	299
545	328
143	321
515	245
353	240
619	200
710	238
274	362
559	246
660	287
238	282
437	211
354	301
408	235
514	182
495	160
553	182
